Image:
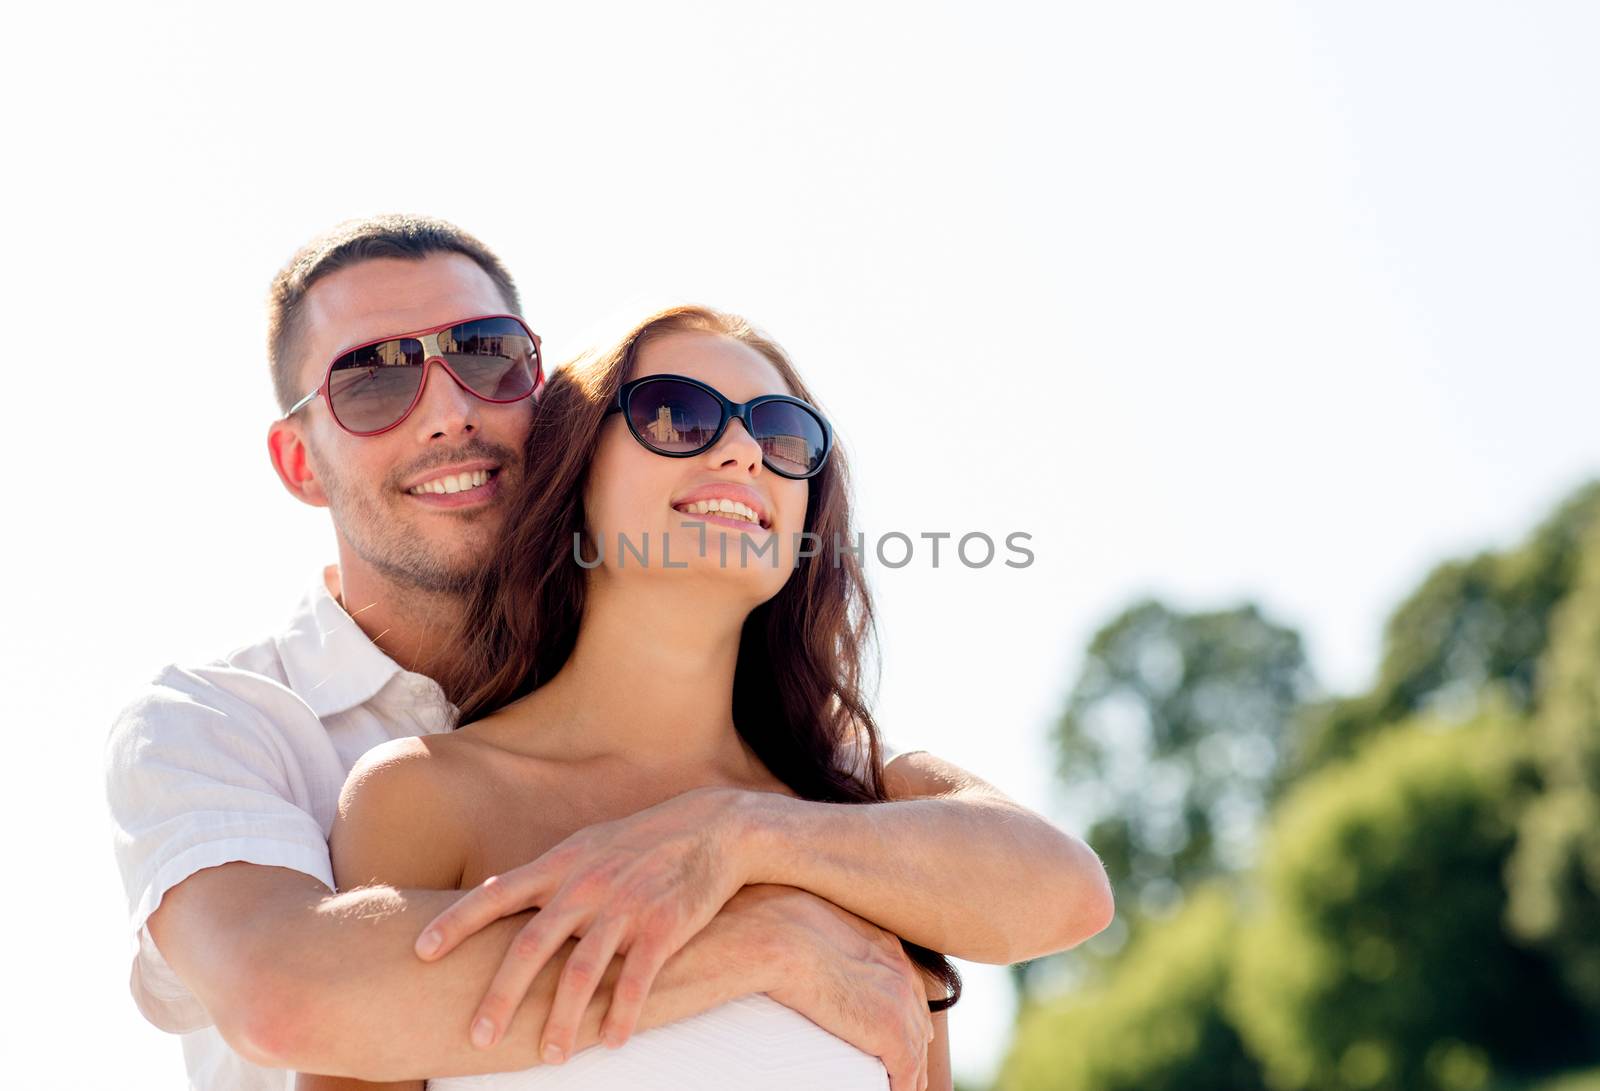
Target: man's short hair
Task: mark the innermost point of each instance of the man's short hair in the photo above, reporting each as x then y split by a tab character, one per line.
352	242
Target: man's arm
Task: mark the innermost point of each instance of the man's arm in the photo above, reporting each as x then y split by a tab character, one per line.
951	863
227	869
298	978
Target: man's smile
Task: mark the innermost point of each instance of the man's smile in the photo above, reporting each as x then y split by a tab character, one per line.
458	486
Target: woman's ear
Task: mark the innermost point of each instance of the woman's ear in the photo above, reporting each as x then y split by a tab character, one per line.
289	453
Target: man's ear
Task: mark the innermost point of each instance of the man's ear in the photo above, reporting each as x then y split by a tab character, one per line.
289	453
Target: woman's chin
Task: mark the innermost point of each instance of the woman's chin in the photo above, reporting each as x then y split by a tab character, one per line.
698	544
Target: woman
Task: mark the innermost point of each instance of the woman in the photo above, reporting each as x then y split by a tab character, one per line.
663	656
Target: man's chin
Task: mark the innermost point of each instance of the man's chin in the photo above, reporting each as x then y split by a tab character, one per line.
414	574
422	558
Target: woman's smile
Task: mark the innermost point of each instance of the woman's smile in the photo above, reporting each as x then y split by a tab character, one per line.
726	504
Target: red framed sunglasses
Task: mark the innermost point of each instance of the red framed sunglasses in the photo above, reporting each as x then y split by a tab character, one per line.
372	387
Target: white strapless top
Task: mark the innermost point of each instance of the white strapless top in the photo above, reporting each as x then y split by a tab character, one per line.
753	1042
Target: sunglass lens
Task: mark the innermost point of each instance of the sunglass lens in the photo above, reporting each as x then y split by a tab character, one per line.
792	439
496	357
673	417
371	387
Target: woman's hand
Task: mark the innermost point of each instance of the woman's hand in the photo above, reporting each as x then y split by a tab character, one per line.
643	886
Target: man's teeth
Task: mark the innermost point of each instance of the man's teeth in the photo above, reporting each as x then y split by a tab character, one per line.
451	483
720	507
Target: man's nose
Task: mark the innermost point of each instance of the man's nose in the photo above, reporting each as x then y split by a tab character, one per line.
445	409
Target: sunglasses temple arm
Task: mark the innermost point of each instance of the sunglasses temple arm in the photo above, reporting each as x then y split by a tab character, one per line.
302	403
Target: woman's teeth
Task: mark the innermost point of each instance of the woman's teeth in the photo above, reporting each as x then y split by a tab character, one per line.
451	483
720	507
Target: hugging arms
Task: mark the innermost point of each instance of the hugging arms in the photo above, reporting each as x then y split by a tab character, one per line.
299	978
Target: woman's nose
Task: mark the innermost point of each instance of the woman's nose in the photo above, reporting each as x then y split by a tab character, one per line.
736	446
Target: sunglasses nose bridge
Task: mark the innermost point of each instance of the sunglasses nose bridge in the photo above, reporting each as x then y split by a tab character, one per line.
719	445
431	351
460	405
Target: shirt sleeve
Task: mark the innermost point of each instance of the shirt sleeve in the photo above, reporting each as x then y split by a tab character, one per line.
195	778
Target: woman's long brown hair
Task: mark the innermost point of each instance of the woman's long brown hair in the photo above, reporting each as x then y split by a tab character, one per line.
798	687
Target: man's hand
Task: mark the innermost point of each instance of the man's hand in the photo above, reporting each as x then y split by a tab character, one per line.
641	886
845	974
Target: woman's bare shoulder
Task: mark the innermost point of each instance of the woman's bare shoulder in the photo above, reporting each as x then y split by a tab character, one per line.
431	763
401	816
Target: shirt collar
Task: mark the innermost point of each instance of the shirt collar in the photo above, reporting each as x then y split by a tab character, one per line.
330	663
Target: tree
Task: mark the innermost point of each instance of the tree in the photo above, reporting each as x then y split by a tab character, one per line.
1380	959
1156	1024
1475	626
1555	874
1171	739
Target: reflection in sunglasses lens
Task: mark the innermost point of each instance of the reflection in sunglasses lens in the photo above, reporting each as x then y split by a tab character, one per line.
679	418
494	356
674	417
372	386
791	439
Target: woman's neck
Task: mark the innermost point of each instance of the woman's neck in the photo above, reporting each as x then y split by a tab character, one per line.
649	681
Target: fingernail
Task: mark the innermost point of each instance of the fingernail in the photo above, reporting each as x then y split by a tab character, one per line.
428	943
553	1054
482	1033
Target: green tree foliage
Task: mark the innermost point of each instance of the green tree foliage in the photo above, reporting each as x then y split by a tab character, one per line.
1555	874
1427	912
1474	627
1156	1024
1380	959
1171	738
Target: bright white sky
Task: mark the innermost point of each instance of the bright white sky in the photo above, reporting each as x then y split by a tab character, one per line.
1223	301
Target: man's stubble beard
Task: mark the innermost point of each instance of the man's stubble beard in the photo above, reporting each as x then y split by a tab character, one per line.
387	542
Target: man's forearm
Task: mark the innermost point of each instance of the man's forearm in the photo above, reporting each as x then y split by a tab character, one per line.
968	873
342	992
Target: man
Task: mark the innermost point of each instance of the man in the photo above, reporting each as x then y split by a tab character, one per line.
223	779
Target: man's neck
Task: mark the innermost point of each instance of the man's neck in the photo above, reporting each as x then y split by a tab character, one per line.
411	626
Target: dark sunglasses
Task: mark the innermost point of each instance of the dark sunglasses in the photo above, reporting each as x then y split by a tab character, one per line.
373	387
676	416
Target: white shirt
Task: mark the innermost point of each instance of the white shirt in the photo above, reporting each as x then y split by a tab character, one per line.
243	758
